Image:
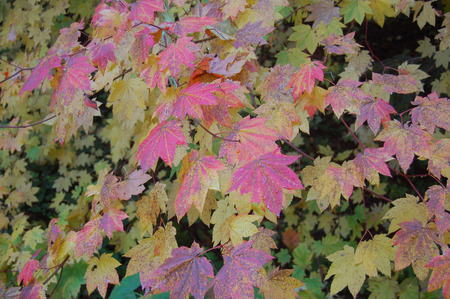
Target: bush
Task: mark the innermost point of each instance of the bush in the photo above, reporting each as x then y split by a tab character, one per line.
218	139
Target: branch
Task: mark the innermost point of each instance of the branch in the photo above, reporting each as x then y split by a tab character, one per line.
377	195
298	150
57	269
29	125
252	96
214	135
351	132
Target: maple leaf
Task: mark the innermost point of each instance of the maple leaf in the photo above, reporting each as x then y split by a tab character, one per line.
151	206
197	175
402	84
183	273
263	240
133	185
27	272
346	272
406	209
341	44
232	8
35	289
190	100
189	25
404	141
251	34
178	53
431	111
371	163
239	272
375	112
376	254
265	177
439	157
144	10
254	139
440	276
151	253
111	221
101	52
41	71
273	86
140	50
71	77
160	142
355	10
234	228
88	239
304	78
101	272
280	116
154	75
322	11
346	95
281	285
436	199
416	246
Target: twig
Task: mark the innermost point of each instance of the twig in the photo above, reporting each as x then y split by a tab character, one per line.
252	96
377	195
29	125
298	150
351	132
214	135
57	269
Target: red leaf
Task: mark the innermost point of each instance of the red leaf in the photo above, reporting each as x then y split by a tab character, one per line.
189	25
35	289
144	10
371	163
42	71
254	139
161	142
436	206
176	54
431	111
240	272
26	274
190	100
143	41
88	239
375	112
265	177
197	176
101	52
304	79
441	275
72	77
183	273
111	221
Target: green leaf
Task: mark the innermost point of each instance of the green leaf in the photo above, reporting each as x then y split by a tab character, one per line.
355	10
71	281
305	38
126	288
302	256
283	256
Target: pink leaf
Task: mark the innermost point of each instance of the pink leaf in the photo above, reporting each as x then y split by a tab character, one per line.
41	72
431	111
111	221
190	100
26	274
161	142
346	95
144	10
176	54
265	177
251	34
375	112
304	79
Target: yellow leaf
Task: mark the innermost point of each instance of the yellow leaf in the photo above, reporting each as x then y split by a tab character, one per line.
406	209
101	272
242	226
346	272
381	9
281	285
376	254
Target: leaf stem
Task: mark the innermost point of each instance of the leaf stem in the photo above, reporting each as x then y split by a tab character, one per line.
298	150
214	135
377	195
29	125
57	269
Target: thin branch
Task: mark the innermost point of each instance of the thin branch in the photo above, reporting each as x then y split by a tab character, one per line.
59	280
351	132
409	181
298	150
204	40
377	195
29	125
277	23
57	269
214	135
252	96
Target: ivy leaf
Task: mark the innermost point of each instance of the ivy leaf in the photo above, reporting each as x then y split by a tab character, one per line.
376	254
183	273
346	272
254	139
112	221
160	142
197	175
440	276
101	272
178	53
404	141
265	177
416	246
41	71
304	78
431	111
375	111
239	272
144	10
